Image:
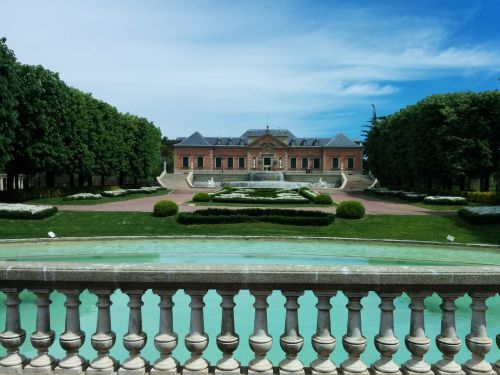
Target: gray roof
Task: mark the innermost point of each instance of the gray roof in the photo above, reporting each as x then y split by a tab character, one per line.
196	139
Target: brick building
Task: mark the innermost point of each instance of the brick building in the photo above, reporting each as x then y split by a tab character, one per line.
267	149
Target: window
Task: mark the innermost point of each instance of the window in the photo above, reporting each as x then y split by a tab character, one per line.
350	163
199	162
185	162
254	163
218	162
335	163
241	163
305	163
229	163
316	163
280	163
293	163
267	161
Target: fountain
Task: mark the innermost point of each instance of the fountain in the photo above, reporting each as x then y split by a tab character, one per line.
269	180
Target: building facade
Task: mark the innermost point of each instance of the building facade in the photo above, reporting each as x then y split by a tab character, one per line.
267	149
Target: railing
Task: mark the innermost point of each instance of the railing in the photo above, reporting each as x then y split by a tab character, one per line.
480	283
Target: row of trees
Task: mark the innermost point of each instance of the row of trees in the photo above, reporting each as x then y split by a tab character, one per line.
442	142
48	127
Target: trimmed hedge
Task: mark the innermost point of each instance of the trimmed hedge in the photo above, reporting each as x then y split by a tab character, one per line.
27	214
350	210
227	216
165	208
445	200
262	200
201	197
323	199
480	215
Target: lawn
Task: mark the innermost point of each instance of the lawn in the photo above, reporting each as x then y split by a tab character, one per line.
60	201
424	228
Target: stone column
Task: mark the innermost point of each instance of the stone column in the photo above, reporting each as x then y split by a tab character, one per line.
73	337
477	341
13	336
353	341
166	339
447	341
43	337
386	343
197	340
323	342
497	364
135	339
417	342
104	338
227	340
291	341
260	342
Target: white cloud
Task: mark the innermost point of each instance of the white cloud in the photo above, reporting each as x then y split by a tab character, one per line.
196	65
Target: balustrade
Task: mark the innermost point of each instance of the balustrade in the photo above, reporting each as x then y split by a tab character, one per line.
418	283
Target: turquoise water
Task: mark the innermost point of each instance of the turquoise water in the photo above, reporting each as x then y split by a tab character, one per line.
252	252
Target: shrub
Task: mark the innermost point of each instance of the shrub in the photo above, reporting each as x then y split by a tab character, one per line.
481	215
25	211
483	197
227	188
323	199
115	193
445	200
165	208
201	197
82	196
350	210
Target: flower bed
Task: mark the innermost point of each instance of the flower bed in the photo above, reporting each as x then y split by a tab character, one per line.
481	215
115	193
445	200
82	196
25	211
267	196
278	216
123	192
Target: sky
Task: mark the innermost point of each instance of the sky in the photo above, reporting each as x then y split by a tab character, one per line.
222	67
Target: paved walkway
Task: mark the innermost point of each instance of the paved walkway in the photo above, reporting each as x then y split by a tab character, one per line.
181	197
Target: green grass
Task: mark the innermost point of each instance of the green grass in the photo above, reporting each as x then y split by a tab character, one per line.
87	202
424	228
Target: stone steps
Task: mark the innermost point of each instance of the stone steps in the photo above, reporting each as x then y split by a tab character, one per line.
358	182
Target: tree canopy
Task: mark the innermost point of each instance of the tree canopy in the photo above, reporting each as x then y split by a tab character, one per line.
442	141
47	126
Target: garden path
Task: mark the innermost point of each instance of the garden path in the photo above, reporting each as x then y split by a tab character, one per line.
182	196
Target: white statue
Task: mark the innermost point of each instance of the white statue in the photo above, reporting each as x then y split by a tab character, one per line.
211	182
322	183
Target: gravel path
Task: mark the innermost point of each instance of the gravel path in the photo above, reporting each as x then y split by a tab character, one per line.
181	197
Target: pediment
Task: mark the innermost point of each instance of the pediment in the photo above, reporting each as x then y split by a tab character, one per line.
267	141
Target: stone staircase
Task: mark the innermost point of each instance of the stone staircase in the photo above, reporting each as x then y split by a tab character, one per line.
174	181
358	182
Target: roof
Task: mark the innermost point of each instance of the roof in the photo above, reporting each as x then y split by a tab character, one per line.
197	140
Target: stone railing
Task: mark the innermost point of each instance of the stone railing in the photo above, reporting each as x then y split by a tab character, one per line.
355	282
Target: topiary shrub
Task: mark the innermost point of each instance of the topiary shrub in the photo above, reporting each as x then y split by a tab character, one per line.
323	199
351	210
227	188
201	197
165	208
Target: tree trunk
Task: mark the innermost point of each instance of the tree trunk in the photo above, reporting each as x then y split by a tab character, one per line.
462	183
49	179
81	179
103	180
71	180
121	179
10	181
89	180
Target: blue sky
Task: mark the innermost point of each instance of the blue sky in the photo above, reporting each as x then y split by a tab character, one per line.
220	67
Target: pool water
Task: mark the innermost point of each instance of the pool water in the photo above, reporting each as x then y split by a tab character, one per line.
252	252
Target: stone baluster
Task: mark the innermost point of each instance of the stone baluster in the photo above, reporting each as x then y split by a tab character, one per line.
227	340
197	340
497	364
477	341
135	339
166	339
323	342
386	343
73	337
260	342
353	341
291	341
447	341
43	337
13	336
104	338
417	342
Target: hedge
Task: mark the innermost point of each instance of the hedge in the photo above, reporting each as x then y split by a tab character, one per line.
481	215
165	208
350	210
25	211
201	197
227	216
323	199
